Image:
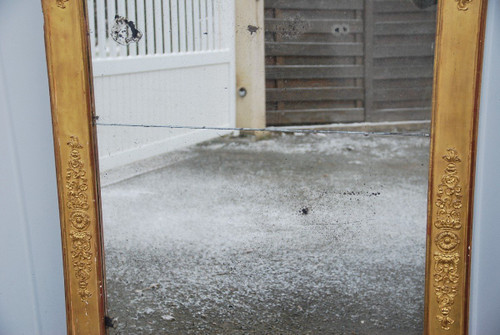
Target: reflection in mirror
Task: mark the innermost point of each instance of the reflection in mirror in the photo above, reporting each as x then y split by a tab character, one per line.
314	224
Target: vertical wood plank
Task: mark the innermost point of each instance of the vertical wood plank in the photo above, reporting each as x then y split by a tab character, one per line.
167	31
226	19
131	15
217	24
121	10
210	25
174	24
204	26
189	25
158	27
111	10
182	26
369	27
250	67
92	27
228	41
101	29
141	25
359	82
280	60
196	25
150	28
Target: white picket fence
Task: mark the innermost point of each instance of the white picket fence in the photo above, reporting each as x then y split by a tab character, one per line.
181	72
197	30
169	26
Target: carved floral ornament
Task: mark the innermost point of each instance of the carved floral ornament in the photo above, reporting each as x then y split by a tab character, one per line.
447	260
61	3
463	4
79	219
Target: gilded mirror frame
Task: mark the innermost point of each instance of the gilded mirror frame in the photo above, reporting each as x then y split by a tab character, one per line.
457	78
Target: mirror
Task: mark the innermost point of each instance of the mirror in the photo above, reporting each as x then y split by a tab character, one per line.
313	221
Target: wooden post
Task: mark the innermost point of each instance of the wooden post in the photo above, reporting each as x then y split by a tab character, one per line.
369	26
250	68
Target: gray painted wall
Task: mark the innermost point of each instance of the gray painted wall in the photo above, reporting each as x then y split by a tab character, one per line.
31	277
485	277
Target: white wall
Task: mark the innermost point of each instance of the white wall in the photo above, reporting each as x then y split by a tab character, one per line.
485	276
31	277
198	95
190	85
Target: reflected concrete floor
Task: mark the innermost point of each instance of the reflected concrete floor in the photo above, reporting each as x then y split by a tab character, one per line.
314	234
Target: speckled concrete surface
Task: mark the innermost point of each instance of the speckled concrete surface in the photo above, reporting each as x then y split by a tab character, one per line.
314	234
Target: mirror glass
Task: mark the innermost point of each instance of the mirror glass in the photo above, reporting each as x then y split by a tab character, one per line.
224	213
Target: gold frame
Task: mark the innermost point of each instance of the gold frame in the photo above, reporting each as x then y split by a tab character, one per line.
456	97
457	78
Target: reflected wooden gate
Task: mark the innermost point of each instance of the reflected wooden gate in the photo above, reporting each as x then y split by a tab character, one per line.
348	61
